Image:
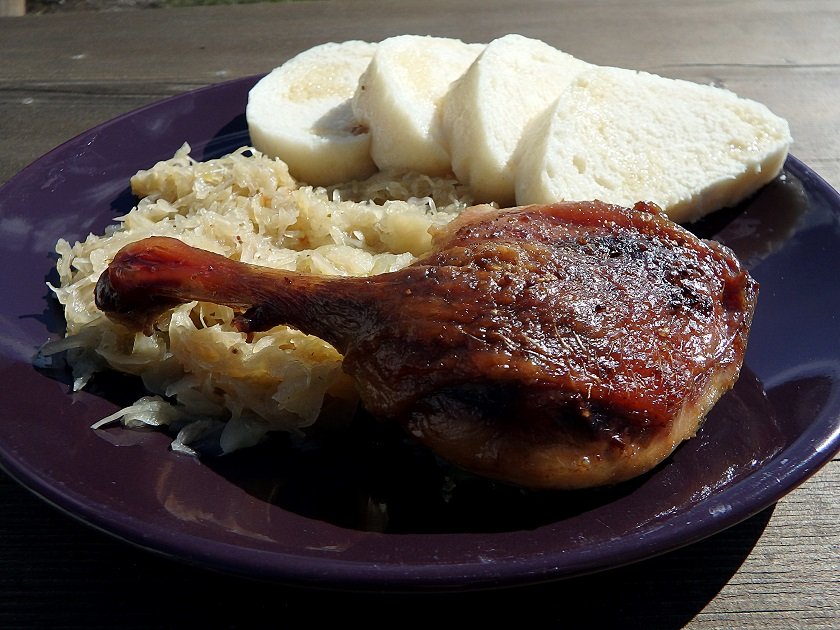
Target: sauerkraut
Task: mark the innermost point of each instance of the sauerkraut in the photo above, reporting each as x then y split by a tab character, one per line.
202	375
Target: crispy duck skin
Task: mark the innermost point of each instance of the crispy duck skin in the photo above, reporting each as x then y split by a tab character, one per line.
561	346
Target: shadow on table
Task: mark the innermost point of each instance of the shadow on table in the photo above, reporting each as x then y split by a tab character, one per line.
126	587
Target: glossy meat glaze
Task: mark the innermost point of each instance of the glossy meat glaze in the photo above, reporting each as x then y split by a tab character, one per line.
559	346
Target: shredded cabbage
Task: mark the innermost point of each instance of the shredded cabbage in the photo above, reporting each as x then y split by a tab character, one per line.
202	375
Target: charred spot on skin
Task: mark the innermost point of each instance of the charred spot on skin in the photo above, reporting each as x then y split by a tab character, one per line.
735	290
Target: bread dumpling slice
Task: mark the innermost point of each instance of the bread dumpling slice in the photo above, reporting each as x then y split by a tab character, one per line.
486	111
623	136
301	113
399	99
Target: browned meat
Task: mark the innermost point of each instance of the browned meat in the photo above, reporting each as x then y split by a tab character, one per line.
557	346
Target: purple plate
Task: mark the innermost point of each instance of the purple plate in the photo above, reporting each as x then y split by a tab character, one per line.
368	509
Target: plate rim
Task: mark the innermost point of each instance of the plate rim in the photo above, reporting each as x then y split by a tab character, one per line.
751	496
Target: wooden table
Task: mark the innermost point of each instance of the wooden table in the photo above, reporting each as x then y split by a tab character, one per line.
61	74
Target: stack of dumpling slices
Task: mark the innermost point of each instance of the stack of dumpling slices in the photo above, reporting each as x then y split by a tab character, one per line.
516	120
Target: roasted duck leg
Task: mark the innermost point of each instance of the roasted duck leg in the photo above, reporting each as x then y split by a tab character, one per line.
560	346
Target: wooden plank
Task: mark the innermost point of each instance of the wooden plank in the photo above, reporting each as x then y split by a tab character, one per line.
12	8
779	569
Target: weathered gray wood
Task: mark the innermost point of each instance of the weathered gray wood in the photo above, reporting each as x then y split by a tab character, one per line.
12	8
61	74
